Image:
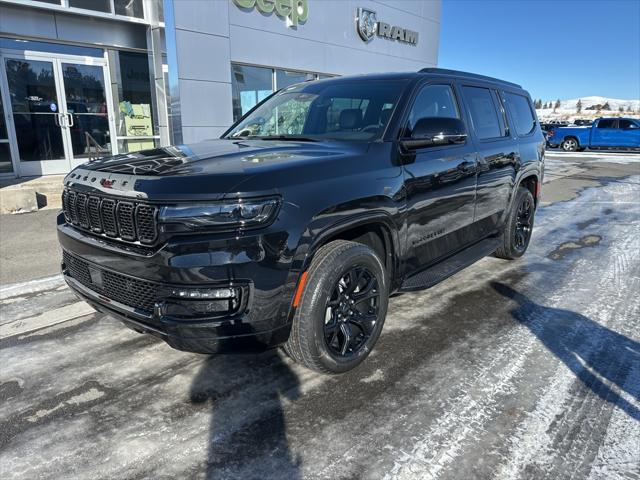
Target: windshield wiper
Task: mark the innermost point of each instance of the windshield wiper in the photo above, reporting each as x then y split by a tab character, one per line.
290	138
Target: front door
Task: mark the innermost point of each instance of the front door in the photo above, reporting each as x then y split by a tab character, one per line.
58	110
440	185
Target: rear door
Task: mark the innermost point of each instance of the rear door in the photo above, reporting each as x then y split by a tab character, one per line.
628	133
440	184
498	156
605	133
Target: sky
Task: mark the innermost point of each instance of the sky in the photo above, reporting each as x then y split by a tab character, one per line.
554	48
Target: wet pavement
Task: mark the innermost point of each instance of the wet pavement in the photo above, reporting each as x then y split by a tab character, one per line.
525	369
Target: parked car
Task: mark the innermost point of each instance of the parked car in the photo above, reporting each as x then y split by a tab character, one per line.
298	223
583	122
607	133
547	128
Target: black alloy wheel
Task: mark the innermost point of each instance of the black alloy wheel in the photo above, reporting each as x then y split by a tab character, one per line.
352	311
342	308
524	224
518	226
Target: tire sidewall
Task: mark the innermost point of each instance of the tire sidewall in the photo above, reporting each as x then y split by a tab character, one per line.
326	281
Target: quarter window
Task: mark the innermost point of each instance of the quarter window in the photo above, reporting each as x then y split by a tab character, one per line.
483	112
520	109
433	101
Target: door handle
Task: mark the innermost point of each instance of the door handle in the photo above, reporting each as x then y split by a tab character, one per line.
58	118
70	123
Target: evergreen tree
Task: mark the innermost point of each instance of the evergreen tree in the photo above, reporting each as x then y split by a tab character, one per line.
621	109
629	109
556	106
606	106
579	106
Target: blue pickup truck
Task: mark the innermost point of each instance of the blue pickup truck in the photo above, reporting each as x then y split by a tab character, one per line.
609	133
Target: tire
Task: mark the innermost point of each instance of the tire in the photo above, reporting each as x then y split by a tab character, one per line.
334	306
569	145
519	226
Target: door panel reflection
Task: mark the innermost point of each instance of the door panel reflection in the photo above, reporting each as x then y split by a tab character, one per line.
87	106
34	101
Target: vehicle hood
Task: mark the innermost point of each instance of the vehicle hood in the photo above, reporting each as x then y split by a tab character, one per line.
213	169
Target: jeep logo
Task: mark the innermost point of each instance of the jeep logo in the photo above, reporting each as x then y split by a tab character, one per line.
367	25
294	11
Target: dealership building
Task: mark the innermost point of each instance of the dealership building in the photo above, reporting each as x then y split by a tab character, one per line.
80	79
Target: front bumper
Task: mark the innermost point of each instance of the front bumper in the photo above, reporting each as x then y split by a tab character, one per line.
266	283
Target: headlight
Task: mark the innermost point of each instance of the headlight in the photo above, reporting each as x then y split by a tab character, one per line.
218	215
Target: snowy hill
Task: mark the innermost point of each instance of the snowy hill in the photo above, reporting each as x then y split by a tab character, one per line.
591	108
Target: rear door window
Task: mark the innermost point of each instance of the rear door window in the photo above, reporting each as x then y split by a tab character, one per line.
484	114
625	124
521	113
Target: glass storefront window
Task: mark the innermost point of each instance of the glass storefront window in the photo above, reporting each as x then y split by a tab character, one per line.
129	8
250	86
96	5
136	120
285	78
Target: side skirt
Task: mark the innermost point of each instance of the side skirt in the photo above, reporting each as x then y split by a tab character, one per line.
451	265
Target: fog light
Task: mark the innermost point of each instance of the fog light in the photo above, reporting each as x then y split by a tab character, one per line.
199	293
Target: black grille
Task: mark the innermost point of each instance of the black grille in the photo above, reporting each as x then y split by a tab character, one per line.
132	292
119	219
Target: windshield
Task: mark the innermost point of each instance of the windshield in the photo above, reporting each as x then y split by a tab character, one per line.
340	111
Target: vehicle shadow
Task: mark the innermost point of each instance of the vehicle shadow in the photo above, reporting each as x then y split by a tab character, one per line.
247	431
598	356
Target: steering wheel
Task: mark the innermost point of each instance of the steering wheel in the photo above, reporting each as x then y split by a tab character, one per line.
370	128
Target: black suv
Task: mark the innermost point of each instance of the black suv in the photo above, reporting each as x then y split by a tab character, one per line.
295	227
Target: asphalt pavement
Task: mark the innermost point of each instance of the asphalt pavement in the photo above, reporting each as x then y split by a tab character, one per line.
526	369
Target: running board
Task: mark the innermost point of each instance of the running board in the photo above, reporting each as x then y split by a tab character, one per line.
444	269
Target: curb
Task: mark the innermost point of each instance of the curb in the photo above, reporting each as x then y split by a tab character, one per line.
32	286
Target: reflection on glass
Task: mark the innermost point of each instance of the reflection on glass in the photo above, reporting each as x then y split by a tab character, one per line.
39	137
130	8
285	78
250	85
32	86
35	106
87	106
5	158
97	5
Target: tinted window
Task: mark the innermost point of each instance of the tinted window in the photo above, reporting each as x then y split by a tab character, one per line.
433	101
521	113
607	123
626	124
483	112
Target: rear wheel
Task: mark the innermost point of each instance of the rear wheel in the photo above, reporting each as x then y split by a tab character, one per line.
569	145
342	308
517	231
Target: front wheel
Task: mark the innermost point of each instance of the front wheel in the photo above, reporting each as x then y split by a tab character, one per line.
569	145
519	226
342	309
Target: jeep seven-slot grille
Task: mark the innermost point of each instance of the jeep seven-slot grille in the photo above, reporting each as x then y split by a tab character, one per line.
119	219
129	291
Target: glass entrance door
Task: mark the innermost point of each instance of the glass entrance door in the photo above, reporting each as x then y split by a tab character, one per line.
59	110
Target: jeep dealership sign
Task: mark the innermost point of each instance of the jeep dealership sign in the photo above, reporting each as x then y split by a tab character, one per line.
368	25
293	11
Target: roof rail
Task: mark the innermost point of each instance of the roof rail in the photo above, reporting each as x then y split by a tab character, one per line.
445	71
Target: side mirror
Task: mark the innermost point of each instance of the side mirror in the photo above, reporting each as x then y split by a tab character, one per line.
436	131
